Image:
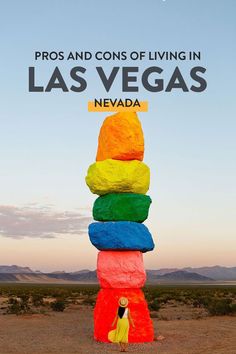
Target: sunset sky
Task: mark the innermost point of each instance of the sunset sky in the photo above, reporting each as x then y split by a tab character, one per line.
48	140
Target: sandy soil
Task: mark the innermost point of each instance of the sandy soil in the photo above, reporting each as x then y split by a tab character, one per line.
72	332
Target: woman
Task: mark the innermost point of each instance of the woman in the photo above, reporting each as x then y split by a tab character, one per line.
120	334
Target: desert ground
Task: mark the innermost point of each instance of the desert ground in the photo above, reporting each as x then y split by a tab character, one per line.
71	332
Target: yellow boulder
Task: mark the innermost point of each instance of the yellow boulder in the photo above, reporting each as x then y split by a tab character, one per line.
115	176
121	138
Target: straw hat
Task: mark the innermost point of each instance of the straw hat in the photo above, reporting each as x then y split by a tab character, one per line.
123	301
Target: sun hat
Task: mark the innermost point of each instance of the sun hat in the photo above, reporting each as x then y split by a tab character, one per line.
123	301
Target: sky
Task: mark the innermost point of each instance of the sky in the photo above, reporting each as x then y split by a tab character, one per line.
48	140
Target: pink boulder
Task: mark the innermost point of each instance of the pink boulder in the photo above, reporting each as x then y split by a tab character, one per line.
121	269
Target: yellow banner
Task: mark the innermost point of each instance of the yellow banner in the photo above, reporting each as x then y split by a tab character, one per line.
117	105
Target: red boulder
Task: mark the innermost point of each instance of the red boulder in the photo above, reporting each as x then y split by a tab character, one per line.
105	311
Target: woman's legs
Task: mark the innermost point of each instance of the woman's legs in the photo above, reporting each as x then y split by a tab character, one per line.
125	346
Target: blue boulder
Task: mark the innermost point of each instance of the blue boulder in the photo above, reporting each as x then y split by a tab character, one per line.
121	235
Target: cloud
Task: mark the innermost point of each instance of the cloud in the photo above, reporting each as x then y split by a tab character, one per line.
42	222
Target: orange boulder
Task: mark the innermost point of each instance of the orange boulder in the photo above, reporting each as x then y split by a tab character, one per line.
105	311
121	138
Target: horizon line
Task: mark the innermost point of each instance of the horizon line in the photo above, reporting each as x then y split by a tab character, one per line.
91	270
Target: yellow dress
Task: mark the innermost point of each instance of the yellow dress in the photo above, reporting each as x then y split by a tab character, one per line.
120	334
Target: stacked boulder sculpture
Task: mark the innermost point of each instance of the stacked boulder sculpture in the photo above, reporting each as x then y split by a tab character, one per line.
121	180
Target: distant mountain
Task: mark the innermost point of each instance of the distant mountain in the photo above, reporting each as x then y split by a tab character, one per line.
216	272
76	272
81	271
8	277
28	278
89	277
180	276
162	271
16	273
59	272
15	269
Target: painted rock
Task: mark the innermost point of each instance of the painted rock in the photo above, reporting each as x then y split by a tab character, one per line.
120	235
111	176
121	138
105	311
121	269
122	207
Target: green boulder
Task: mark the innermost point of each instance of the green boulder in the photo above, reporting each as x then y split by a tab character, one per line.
122	207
